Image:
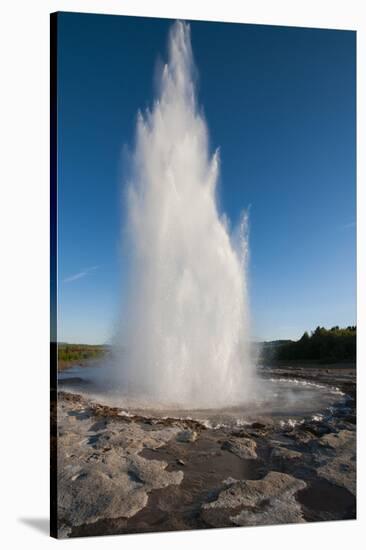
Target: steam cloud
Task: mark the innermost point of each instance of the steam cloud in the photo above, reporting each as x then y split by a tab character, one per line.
186	332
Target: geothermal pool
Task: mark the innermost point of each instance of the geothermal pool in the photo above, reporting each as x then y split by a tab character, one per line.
285	401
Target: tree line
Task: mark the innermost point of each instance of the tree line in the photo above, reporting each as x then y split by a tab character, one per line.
327	345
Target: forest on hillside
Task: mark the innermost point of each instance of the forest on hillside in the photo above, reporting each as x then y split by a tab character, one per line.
326	345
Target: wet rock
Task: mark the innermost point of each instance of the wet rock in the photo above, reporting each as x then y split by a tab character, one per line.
243	447
152	473
301	437
340	467
230	481
258	426
338	440
282	455
316	428
267	501
323	501
187	436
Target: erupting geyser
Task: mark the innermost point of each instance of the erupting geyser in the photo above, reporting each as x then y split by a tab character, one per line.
185	336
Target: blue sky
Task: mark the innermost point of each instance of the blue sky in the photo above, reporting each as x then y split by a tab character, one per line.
280	104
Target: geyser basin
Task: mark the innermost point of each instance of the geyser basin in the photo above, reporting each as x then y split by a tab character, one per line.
281	400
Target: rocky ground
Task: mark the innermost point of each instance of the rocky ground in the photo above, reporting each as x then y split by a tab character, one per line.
127	474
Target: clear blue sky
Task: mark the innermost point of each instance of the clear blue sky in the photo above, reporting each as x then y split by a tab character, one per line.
280	104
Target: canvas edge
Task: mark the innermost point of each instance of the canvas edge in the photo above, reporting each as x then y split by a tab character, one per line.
53	274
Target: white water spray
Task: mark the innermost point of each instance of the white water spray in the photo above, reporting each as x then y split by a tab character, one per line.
186	329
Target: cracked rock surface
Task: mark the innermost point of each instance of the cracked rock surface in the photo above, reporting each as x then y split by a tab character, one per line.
340	468
120	472
243	447
258	502
100	472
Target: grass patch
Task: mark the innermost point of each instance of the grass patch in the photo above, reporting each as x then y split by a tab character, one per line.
74	354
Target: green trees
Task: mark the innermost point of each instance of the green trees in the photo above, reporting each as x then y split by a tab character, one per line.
335	344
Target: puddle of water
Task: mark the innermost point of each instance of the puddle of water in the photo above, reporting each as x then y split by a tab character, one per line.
281	399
